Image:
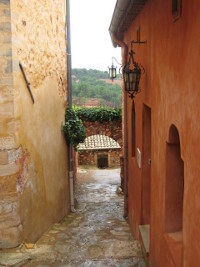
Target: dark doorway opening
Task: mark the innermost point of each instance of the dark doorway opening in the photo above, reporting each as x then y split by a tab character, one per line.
174	196
146	165
146	180
102	161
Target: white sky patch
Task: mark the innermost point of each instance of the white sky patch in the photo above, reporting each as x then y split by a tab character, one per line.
90	39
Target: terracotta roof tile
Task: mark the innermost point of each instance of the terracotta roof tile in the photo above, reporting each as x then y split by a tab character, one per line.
96	142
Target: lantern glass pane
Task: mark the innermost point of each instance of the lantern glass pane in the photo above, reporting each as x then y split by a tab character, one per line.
125	77
110	73
127	86
133	86
132	77
114	72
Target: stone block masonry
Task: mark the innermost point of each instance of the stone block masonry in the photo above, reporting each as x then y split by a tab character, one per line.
91	157
10	225
6	79
111	129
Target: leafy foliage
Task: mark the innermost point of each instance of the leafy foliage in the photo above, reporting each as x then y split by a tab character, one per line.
99	114
89	84
73	128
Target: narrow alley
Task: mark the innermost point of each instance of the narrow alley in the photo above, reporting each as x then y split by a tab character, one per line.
96	235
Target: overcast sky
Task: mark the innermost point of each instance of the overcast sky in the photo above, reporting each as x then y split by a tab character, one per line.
90	39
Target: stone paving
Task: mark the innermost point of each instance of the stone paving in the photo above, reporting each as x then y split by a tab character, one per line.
95	236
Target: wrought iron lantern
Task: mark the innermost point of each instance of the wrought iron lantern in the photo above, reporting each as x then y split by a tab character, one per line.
131	75
113	70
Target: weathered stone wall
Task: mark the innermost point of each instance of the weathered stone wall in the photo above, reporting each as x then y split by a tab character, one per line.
115	157
6	79
86	157
10	225
90	157
112	129
33	153
38	33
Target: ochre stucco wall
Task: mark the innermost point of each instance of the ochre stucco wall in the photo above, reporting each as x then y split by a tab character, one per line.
170	89
37	155
39	40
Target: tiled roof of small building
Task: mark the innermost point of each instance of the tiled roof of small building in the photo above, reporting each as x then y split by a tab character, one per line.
97	142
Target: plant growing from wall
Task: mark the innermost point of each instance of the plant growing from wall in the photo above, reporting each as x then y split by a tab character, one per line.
73	129
99	114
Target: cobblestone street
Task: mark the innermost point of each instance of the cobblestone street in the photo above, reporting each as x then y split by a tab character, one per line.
96	235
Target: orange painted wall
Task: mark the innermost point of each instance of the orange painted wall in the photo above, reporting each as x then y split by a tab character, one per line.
171	89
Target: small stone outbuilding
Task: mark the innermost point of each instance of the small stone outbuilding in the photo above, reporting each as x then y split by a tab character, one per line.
99	150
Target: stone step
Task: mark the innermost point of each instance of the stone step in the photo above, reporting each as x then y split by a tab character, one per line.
145	235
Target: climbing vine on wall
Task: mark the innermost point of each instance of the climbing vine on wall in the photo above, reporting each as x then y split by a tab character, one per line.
73	128
99	114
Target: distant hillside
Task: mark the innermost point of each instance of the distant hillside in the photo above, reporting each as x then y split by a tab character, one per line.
94	84
115	81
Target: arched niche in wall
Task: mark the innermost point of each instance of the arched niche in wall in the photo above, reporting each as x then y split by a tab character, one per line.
174	183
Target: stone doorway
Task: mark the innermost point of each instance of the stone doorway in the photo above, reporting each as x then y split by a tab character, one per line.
102	161
146	180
